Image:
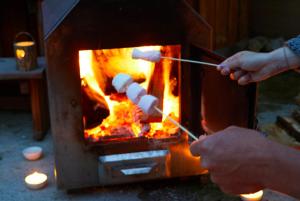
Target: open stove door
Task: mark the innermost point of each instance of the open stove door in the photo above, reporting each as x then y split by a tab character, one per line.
218	101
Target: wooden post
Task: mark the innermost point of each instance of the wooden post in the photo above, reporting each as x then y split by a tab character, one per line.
39	108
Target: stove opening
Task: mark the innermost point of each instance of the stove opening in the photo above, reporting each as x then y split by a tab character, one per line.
111	116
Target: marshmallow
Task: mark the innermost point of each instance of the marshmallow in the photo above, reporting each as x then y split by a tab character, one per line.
134	92
148	103
121	81
152	55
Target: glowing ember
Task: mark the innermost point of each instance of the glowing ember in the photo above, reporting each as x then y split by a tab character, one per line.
125	120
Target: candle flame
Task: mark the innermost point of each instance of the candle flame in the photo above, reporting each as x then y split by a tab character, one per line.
25	43
20	53
35	178
253	196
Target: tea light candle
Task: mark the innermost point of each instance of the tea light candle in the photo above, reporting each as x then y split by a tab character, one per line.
32	153
36	180
252	196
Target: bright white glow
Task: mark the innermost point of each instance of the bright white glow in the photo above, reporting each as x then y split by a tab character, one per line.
253	196
36	180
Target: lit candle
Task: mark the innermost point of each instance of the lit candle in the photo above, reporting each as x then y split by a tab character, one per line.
25	52
36	180
253	196
20	53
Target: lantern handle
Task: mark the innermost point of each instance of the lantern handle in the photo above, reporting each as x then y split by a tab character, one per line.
24	33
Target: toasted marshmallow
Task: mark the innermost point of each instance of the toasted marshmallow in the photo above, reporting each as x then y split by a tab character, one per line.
152	55
134	92
148	103
121	81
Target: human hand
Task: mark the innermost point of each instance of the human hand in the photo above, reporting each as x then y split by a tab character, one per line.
237	159
247	67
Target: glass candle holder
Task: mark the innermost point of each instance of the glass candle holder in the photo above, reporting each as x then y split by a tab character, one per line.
25	52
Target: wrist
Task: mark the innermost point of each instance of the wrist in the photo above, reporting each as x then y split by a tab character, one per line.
283	59
292	60
278	59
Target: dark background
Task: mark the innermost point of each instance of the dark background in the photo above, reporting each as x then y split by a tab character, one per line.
232	21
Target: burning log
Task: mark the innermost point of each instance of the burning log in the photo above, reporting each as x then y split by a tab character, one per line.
142	119
169	127
144	130
100	74
118	97
105	64
139	115
156	88
94	108
122	131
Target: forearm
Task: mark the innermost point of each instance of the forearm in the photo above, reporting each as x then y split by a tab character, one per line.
284	173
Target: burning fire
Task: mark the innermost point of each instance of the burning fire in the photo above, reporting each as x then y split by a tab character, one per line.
124	119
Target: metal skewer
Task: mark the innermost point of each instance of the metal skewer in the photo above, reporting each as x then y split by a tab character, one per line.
177	124
190	61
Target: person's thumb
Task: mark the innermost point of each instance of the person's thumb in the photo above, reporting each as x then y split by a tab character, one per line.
202	137
196	146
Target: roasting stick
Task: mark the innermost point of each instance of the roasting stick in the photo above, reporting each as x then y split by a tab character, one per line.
124	83
243	196
177	124
134	92
190	61
155	56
